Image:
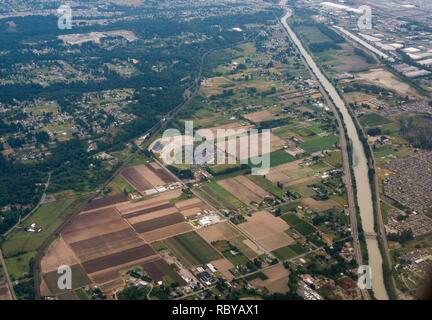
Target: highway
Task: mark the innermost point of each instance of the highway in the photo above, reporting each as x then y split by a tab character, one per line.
365	44
360	169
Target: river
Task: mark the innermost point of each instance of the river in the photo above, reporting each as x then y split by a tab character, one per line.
360	168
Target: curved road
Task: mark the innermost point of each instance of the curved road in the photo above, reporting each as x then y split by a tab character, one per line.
360	166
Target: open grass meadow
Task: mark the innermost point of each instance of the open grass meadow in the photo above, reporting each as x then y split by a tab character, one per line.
268	186
280	157
120	186
373	119
222	196
235	256
289	252
320	143
299	224
20	246
192	249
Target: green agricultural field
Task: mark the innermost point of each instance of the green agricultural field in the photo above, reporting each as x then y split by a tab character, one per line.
49	217
289	252
383	151
315	240
305	132
268	186
205	118
373	119
334	159
280	157
192	249
20	246
82	295
291	219
299	224
256	275
222	196
289	206
312	34
159	246
385	209
170	276
79	279
203	194
288	130
225	247
19	266
321	166
244	249
391	129
304	228
47	108
120	185
225	171
319	143
138	159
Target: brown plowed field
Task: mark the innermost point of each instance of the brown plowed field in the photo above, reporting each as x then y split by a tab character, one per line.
118	258
157	200
188	203
220	231
242	153
224	231
4	293
106	202
267	230
153	215
259	116
223	266
94	231
153	271
320	206
106	244
148	173
158	223
147	176
90	219
148	210
106	277
133	176
252	186
164	175
79	279
244	189
167	232
277	279
194	211
58	254
289	173
191	207
251	245
113	274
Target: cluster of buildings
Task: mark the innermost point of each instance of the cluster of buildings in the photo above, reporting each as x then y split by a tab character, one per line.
401	41
411	183
399	221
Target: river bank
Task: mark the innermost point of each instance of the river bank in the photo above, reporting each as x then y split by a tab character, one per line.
360	168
